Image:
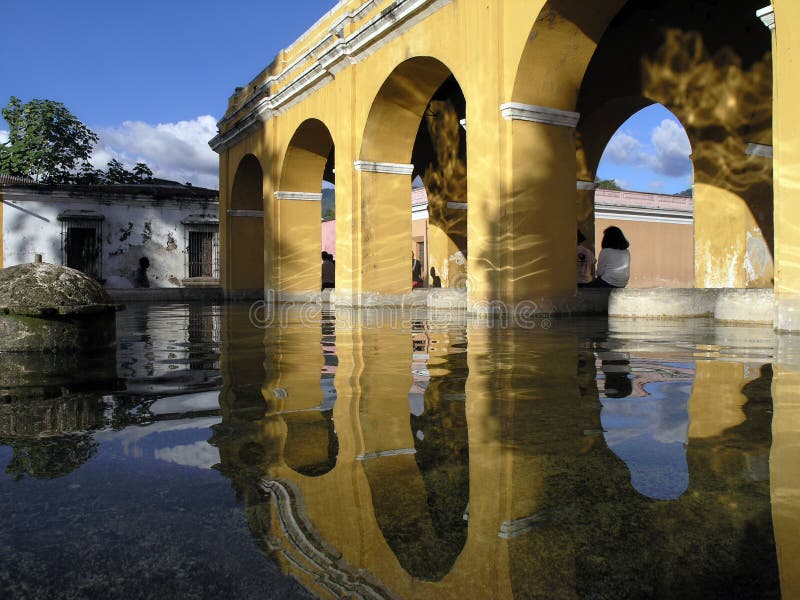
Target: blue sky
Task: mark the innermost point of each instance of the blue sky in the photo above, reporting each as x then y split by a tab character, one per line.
649	153
152	78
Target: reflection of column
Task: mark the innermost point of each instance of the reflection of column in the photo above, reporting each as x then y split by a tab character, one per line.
784	464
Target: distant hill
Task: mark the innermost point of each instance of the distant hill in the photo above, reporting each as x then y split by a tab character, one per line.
328	204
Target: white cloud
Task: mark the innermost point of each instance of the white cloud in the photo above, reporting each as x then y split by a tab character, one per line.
668	153
624	149
671	150
177	151
3	136
199	454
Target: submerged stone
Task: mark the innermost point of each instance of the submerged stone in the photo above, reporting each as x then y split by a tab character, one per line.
50	308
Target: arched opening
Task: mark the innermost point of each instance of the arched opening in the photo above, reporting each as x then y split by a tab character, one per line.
414	133
304	197
710	65
439	238
245	244
644	181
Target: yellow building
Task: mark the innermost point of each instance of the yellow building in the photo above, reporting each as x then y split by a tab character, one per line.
503	110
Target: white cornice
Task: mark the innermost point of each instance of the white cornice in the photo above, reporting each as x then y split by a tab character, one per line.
246	213
652	215
586	185
516	111
303	196
366	166
330	55
767	16
753	149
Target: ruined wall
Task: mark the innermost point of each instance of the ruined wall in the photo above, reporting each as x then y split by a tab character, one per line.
133	226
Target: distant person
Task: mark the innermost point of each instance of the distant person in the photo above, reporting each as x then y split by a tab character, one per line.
586	262
140	279
614	262
436	281
416	272
328	271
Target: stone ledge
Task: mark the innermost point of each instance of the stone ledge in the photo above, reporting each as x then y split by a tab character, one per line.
165	294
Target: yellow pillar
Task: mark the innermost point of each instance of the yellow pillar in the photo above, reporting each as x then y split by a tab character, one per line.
786	162
299	241
540	210
381	226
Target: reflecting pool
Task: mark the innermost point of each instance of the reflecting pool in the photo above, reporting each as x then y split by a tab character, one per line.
233	451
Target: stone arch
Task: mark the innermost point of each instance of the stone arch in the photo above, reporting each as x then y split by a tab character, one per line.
245	258
385	168
710	65
308	159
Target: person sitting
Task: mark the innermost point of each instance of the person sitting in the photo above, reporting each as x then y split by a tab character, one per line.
328	271
140	279
416	272
586	262
614	262
436	281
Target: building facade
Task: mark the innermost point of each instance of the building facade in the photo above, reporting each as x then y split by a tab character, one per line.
104	231
503	109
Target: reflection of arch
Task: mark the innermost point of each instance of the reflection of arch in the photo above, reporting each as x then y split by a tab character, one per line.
308	160
245	240
311	445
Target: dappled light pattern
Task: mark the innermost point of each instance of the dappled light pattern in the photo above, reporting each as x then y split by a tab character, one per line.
710	64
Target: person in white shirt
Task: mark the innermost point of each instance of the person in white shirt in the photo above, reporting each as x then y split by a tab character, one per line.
585	262
614	262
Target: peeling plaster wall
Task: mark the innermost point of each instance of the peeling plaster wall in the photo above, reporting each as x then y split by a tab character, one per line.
133	226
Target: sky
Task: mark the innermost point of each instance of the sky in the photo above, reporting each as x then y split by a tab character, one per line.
152	79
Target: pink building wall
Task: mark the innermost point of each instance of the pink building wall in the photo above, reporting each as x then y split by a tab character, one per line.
329	237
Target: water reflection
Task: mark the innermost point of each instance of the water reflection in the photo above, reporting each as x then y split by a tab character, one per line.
416	459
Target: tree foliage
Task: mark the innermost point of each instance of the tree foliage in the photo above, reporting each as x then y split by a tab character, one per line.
46	141
608	184
50	145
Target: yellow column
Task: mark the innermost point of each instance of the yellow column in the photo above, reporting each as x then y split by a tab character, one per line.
383	222
299	241
786	162
540	215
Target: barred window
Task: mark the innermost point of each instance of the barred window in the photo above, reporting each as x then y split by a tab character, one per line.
82	242
203	251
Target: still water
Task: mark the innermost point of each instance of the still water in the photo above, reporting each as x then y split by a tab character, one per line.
225	452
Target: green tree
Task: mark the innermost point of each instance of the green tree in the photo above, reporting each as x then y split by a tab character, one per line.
608	184
46	142
142	172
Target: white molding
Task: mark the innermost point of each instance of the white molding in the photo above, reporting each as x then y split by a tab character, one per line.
382	453
328	56
516	111
586	185
650	215
457	205
517	527
767	16
754	149
245	213
367	166
303	196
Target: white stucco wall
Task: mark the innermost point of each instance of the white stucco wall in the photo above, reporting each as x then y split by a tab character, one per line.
134	225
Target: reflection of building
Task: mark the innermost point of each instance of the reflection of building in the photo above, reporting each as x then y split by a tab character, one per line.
105	230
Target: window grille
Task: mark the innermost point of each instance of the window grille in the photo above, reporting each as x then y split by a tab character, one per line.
82	244
203	251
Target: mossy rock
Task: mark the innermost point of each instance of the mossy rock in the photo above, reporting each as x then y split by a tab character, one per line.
42	288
